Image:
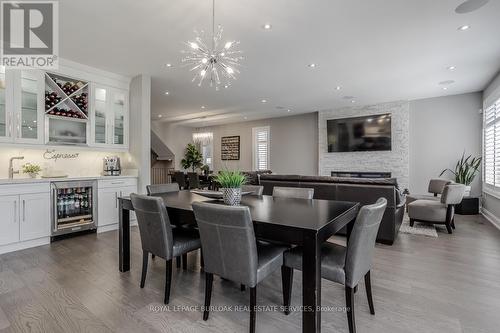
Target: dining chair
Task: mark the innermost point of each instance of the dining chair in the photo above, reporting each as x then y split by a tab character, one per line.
162	188
255	189
293	192
232	252
193	180
438	212
158	237
344	265
180	178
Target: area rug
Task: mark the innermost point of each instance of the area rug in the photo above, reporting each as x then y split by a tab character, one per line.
423	229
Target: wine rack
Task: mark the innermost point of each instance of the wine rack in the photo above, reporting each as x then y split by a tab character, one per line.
66	97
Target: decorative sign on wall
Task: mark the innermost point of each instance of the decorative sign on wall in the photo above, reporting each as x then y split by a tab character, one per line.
51	154
230	148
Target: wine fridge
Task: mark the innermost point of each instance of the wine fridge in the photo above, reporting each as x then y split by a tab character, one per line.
74	206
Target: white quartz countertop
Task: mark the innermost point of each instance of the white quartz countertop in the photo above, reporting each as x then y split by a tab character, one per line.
20	180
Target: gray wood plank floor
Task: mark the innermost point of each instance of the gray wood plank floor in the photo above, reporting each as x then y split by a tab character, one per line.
420	284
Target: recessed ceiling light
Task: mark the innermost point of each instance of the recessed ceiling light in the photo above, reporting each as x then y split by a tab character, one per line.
267	26
168	65
464	27
203	106
264	101
338	87
313	65
245	118
353	101
167	92
451	68
288	110
226	86
445	88
159	116
470	6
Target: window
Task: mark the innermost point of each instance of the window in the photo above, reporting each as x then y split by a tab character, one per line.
261	138
491	159
205	144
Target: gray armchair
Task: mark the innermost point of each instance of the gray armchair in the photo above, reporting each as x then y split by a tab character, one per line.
436	187
438	212
344	265
158	237
231	251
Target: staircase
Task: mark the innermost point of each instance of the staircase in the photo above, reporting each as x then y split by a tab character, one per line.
162	160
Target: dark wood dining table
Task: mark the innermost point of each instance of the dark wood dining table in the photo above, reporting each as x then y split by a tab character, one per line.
303	222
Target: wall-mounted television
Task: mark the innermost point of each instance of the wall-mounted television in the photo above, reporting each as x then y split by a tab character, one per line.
367	133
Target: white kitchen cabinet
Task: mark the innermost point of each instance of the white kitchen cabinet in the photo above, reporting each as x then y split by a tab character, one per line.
21	106
33	216
9	223
108	194
110	117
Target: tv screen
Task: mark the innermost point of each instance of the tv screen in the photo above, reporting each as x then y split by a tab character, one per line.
370	133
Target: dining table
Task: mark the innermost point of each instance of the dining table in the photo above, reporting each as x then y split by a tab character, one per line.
303	222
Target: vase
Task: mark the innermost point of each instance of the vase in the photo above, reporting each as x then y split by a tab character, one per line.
467	190
231	196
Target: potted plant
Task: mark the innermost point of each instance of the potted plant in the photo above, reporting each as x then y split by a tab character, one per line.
32	169
465	171
192	158
206	169
230	184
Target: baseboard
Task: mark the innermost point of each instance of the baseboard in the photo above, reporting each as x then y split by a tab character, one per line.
491	217
111	227
24	245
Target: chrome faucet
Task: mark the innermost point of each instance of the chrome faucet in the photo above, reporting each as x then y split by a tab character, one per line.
11	168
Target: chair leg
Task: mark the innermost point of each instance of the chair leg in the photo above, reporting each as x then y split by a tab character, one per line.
453	223
209	279
243	287
168	281
287	282
202	262
153	256
448	227
349	301
368	286
178	262
184	261
253	304
412	222
145	257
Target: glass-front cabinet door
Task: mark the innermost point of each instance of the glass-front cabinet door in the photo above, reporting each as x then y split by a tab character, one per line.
6	105
29	106
110	117
3	102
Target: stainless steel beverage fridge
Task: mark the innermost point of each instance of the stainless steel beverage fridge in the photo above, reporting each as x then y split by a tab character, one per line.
74	206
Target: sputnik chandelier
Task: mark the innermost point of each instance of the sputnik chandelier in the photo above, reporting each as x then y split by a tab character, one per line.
216	63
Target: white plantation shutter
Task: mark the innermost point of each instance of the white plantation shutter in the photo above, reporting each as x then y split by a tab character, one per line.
491	161
261	148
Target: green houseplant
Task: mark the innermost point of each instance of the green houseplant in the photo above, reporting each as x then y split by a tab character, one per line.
230	184
32	169
192	158
465	171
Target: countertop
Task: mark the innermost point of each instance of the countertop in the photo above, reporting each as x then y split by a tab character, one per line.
6	181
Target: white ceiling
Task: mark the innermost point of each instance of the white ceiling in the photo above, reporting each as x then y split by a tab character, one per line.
377	50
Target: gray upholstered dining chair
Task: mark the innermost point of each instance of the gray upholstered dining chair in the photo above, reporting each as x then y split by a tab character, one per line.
232	252
162	188
293	192
344	265
180	178
438	212
158	237
255	189
436	187
193	180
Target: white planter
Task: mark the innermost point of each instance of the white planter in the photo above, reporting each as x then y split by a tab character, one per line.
467	190
231	196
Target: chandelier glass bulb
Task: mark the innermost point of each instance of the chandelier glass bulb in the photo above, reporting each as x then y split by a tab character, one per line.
216	61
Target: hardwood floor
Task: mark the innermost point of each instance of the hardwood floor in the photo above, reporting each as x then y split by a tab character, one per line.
420	284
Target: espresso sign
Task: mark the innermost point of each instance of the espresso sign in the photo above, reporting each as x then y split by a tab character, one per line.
230	148
53	155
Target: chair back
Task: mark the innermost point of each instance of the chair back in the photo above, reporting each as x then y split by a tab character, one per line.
193	180
255	189
362	242
180	178
436	185
154	225
453	194
162	188
228	241
293	192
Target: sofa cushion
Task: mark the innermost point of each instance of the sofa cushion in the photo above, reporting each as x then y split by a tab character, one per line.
427	210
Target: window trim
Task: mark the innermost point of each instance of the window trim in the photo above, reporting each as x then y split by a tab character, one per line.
255	130
491	189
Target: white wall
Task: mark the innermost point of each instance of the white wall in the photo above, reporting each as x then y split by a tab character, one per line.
140	128
441	129
176	138
395	161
